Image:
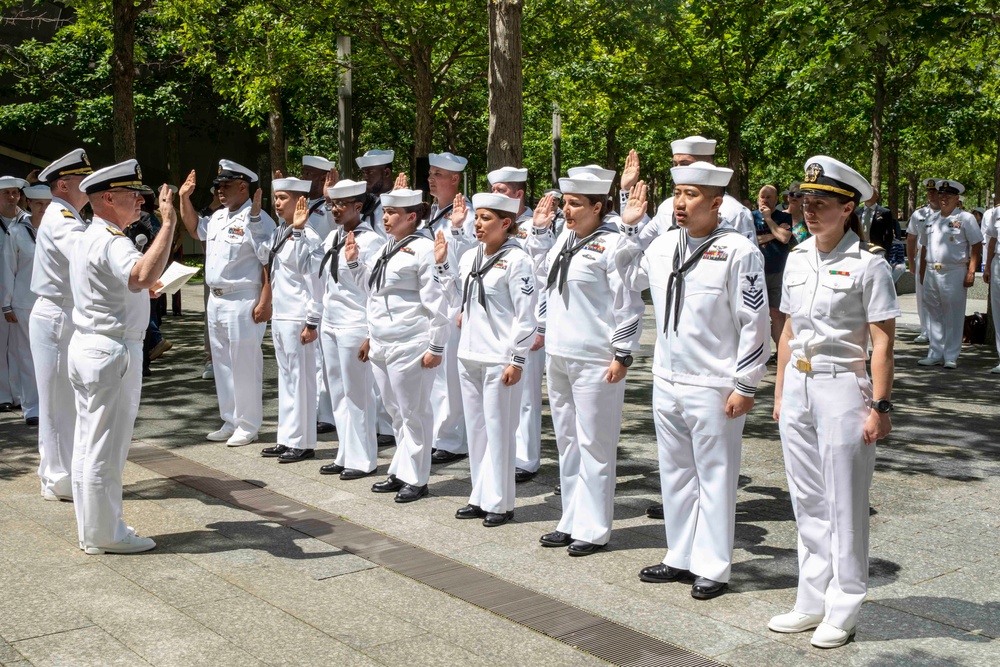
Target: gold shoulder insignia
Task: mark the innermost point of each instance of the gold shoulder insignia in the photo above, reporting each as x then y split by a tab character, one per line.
67	214
114	231
872	248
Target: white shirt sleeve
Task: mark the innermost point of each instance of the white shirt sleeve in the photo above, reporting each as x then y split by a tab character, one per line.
880	293
628	306
524	296
748	303
121	257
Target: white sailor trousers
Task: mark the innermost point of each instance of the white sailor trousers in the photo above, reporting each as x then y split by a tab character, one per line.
829	470
995	297
324	399
529	428
405	386
10	389
944	301
20	350
491	416
352	389
237	359
446	395
50	330
699	450
587	417
296	385
919	291
106	374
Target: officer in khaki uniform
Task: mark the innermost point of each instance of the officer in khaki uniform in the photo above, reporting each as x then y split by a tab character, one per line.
111	282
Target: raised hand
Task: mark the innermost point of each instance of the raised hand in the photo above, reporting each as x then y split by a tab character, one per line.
440	248
636	207
277	174
331	180
255	207
301	214
167	198
350	249
544	213
630	174
188	186
458	211
401	182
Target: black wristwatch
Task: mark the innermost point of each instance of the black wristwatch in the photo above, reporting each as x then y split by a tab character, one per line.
624	359
883	405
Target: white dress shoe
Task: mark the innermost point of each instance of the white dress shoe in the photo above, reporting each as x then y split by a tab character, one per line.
922	338
240	440
995	370
830	636
794	621
54	497
930	361
951	364
131	544
221	435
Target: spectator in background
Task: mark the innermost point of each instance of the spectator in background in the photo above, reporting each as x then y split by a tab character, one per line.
774	233
800	232
142	232
878	225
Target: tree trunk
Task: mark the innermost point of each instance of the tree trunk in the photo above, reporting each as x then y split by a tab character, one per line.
506	130
878	109
123	78
892	165
996	174
911	196
556	145
276	133
734	154
173	154
423	94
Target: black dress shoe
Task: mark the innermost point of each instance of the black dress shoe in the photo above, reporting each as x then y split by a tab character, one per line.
558	490
31	421
271	452
411	492
555	539
494	519
6	407
522	475
444	456
292	455
389	485
354	473
331	469
655	512
660	574
385	440
706	589
470	512
325	427
581	548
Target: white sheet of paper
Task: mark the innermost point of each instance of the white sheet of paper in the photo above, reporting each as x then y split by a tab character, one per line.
175	276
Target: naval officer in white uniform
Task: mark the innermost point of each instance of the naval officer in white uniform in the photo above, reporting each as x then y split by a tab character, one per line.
51	321
236	250
111	282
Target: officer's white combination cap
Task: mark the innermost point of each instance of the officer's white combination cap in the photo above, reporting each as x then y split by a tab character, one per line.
696	145
447	161
931	183
375	158
346	189
585	184
496	202
507	175
950	187
38	192
701	173
600	172
12	182
296	185
826	177
233	171
74	163
317	162
402	198
125	175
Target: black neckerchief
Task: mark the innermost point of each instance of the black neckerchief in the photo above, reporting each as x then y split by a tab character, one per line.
333	254
675	283
26	221
377	279
279	243
440	214
560	268
316	205
368	209
479	270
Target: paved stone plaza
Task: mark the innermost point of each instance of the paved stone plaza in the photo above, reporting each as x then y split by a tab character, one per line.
227	586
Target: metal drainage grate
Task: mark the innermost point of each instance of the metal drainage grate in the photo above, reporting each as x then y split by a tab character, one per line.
598	636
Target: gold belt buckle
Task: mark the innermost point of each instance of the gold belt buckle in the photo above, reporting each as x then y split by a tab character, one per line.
216	291
937	267
803	365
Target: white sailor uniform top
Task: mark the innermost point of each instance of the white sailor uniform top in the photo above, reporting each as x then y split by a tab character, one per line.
235	248
949	240
17	264
712	323
296	292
